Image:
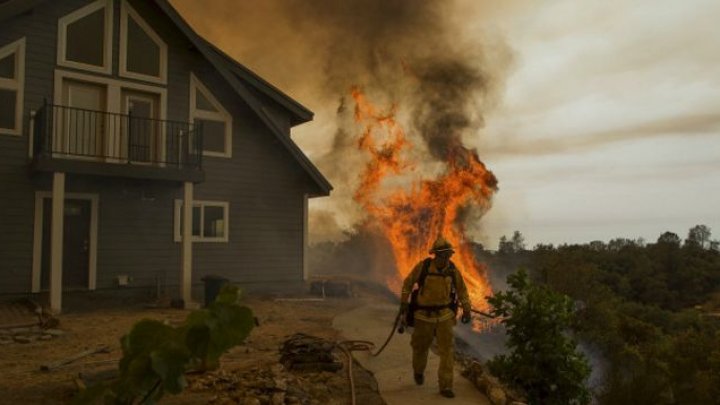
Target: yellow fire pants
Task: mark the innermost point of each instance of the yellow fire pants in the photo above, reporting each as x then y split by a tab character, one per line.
421	340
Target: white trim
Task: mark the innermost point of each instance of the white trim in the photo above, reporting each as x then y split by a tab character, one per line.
221	115
159	143
56	241
17	84
126	11
37	236
202	204
64	21
187	253
305	241
113	102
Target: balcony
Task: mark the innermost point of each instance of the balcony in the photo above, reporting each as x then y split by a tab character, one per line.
76	140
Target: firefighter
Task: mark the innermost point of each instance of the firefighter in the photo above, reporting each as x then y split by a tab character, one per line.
438	283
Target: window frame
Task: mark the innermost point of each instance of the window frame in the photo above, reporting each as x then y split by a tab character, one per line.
113	94
17	84
225	205
221	115
127	12
76	15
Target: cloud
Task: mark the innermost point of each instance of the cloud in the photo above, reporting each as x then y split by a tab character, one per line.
682	126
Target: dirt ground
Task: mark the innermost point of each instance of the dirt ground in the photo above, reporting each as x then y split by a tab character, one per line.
22	381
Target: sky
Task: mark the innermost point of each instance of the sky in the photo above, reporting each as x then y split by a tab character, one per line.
600	119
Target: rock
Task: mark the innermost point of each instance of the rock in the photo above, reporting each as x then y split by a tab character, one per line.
54	332
280	384
497	396
278	398
23	339
46	337
251	401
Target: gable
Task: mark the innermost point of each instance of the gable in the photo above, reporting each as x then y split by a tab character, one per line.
276	110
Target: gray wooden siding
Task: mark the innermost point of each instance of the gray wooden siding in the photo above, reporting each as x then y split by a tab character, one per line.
262	182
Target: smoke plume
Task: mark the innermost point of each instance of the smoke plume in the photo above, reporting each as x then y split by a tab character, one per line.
411	57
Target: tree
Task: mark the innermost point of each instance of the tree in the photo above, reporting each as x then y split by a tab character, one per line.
543	360
699	236
518	242
505	246
669	238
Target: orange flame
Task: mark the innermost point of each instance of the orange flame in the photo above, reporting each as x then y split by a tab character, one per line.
412	219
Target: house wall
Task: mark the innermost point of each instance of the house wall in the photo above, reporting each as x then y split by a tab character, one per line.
262	182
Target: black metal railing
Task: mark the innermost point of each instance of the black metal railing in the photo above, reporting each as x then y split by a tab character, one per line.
76	133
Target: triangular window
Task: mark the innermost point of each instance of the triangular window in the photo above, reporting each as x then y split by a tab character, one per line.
85	37
202	103
143	54
211	119
12	75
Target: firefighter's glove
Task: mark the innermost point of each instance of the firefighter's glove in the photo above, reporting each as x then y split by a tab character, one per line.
404	307
465	317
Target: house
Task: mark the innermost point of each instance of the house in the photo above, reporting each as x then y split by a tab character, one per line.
119	124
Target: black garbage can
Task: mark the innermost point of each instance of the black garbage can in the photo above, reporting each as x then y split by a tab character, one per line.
213	284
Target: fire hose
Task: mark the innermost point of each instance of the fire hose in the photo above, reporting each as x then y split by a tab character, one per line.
349	346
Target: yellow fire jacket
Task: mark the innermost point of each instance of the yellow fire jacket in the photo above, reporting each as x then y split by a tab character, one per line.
436	292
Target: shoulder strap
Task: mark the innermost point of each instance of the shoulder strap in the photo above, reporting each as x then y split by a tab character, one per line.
424	272
454	273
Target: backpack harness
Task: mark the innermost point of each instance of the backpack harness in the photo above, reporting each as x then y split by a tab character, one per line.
424	274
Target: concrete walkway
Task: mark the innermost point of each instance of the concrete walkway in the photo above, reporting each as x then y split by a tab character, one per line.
393	368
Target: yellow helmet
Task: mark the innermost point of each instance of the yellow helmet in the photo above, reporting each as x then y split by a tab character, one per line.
441	245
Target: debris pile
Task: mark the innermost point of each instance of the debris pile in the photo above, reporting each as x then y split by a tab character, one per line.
27	334
274	385
334	287
308	353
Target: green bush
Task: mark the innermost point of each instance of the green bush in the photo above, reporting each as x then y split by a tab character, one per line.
156	356
543	360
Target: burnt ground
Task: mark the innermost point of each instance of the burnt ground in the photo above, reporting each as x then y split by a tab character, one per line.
249	373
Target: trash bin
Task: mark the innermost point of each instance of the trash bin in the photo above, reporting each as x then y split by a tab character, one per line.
213	284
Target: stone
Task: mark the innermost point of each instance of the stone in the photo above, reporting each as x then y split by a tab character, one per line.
497	396
280	384
23	339
46	337
54	332
251	401
278	398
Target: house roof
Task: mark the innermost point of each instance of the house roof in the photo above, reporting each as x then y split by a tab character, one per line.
238	77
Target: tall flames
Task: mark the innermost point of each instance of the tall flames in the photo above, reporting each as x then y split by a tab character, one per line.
411	218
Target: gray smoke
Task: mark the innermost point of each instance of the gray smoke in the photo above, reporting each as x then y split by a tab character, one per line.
412	54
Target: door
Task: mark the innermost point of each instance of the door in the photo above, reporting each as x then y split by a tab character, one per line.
76	243
142	131
85	120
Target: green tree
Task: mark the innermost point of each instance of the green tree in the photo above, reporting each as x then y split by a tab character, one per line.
518	242
543	359
699	236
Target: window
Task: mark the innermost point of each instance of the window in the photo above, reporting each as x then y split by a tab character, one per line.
12	77
85	37
210	221
209	115
106	135
143	55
